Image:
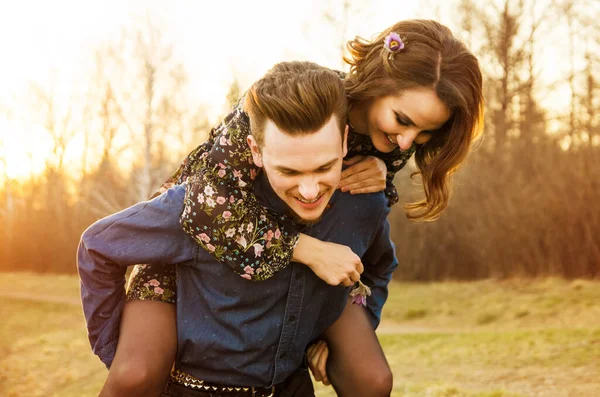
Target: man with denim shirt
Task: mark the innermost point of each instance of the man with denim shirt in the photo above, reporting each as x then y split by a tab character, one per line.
232	332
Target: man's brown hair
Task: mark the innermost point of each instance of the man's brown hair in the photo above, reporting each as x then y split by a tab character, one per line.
299	97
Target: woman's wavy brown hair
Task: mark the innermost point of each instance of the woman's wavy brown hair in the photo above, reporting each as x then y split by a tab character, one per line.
434	58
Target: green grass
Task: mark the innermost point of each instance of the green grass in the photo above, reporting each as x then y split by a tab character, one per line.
514	304
44	351
485	339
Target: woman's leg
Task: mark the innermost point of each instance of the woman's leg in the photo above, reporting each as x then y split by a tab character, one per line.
357	365
148	336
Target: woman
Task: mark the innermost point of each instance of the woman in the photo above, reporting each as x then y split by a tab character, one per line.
413	89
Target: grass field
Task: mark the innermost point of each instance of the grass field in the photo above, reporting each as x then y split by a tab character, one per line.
482	339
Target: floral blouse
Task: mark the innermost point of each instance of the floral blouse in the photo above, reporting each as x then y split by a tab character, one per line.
221	212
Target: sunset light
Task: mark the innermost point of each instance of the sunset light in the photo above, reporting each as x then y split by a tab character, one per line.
301	198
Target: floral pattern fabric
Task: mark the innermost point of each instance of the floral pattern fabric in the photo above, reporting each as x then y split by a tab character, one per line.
256	236
155	283
222	214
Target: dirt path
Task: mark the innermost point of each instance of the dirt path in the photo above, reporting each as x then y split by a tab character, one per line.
390	327
69	300
387	327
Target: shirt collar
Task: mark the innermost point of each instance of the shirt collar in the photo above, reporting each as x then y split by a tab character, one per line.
267	196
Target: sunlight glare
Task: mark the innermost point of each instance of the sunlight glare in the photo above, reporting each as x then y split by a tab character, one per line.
23	150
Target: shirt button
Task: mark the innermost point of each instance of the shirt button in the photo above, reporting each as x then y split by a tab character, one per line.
298	276
282	356
292	318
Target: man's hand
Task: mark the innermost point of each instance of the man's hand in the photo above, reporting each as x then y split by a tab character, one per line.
365	174
335	264
317	355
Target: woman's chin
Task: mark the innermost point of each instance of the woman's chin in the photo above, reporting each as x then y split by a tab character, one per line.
383	145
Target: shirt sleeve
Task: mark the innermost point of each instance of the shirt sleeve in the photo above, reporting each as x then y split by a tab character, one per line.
379	262
148	232
222	213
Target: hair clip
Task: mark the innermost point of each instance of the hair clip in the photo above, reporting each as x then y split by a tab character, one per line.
393	43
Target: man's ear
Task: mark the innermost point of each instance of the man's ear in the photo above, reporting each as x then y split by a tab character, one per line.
256	155
345	142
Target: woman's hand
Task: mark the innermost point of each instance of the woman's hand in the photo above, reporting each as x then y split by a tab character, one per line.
336	264
317	355
365	174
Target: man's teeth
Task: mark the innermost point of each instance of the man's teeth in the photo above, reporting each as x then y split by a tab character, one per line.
391	139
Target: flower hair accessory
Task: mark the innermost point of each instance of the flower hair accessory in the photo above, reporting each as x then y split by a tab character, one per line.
359	294
392	44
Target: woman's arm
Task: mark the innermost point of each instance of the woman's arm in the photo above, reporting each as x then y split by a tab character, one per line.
223	216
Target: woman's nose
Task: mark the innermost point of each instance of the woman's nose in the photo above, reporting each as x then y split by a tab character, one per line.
406	139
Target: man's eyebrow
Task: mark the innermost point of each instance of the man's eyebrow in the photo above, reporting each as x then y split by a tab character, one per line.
325	165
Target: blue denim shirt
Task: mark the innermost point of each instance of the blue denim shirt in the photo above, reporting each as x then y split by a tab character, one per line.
230	330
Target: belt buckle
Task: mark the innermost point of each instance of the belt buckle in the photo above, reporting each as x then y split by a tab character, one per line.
253	389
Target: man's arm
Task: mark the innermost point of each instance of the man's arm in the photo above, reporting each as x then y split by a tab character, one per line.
148	232
379	262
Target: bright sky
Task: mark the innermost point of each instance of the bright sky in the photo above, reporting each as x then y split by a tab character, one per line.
52	43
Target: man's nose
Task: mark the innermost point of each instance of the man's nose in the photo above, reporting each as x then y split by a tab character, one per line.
309	188
406	138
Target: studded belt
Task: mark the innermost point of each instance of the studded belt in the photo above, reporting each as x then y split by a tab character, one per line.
184	379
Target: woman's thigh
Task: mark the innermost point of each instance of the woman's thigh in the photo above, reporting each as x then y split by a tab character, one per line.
148	335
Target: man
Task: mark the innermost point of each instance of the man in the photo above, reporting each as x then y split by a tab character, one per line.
234	334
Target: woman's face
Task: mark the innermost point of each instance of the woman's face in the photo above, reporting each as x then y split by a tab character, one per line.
400	120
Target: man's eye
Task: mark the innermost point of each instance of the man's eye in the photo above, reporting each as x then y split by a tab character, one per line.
325	169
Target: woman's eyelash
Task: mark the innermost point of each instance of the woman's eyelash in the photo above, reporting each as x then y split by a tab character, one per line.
401	121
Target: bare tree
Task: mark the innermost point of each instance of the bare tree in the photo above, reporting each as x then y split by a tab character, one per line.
234	94
502	32
532	118
568	8
150	107
6	209
583	33
340	15
466	20
589	100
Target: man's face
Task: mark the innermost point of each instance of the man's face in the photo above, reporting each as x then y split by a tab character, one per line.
304	171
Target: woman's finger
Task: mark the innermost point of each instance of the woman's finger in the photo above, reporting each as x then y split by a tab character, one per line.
365	190
353	160
372	185
358	168
357	177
